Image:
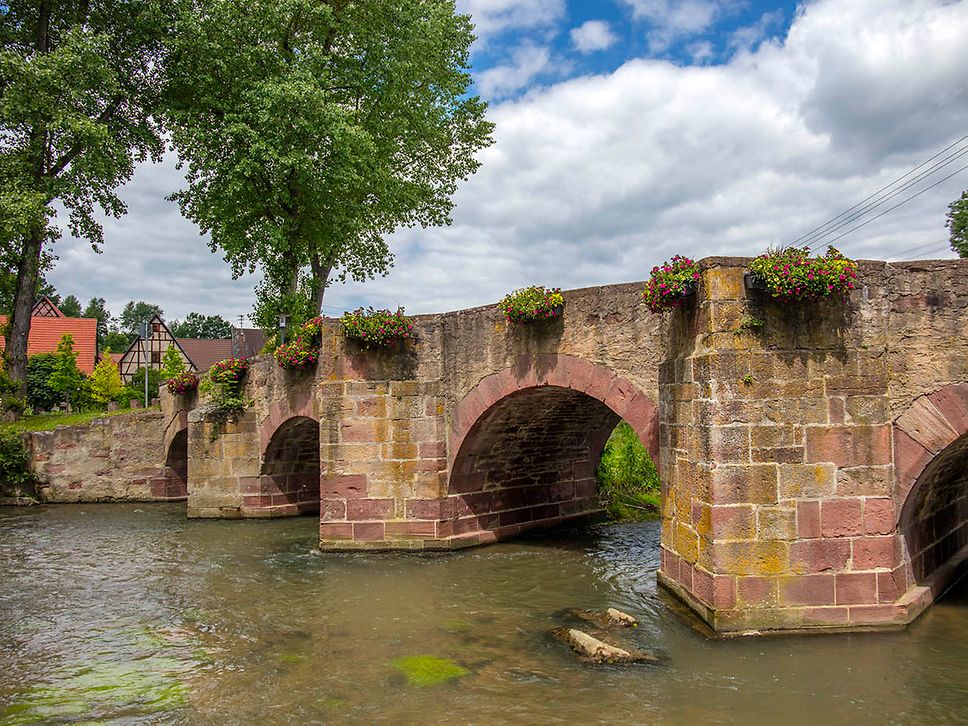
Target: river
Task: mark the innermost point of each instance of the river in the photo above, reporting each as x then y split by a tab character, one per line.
133	614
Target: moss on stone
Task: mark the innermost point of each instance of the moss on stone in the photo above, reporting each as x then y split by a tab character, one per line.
428	670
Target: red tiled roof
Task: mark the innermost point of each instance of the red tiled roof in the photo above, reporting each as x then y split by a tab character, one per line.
46	333
204	352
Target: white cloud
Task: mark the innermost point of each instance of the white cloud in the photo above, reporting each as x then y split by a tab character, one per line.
670	20
492	17
593	35
527	62
749	36
595	179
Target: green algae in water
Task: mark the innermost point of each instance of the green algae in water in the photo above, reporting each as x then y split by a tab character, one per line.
428	670
293	658
104	690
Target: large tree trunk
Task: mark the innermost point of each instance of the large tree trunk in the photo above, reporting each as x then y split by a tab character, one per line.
321	272
23	304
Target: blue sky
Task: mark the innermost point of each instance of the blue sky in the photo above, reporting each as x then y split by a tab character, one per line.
697	127
583	37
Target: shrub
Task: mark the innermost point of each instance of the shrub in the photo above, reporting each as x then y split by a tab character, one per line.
379	328
171	363
16	478
137	384
66	379
532	303
628	483
792	275
105	381
223	384
182	383
40	395
670	283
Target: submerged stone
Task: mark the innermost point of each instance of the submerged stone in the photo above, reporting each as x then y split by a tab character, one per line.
428	670
598	651
610	618
617	617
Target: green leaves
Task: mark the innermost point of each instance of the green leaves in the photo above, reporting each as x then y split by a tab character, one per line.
311	130
957	221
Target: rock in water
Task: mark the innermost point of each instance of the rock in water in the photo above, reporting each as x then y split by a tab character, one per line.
598	651
617	617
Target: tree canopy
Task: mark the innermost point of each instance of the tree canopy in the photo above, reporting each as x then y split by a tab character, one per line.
958	224
136	313
311	130
97	308
70	306
196	325
79	82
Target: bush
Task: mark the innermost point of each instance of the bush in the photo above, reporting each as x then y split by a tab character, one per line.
66	379
172	363
105	382
137	384
16	478
670	283
40	395
379	328
532	303
628	483
792	275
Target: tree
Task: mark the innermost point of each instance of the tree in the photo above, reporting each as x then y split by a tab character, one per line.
117	341
137	384
136	313
171	363
66	379
79	83
97	308
71	307
105	382
197	325
40	368
313	129
958	224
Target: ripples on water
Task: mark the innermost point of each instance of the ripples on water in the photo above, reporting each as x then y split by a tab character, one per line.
133	614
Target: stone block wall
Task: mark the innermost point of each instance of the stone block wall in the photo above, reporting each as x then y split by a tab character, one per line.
116	458
781	504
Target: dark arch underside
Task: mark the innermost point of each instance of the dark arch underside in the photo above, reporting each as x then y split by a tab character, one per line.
531	458
934	521
290	468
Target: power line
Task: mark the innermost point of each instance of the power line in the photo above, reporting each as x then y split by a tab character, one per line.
879	191
899	204
883	199
922	249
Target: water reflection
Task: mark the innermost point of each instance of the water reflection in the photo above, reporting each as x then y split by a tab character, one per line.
133	613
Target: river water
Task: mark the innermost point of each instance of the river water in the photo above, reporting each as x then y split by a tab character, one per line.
133	614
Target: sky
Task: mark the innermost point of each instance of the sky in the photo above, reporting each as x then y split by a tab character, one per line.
628	131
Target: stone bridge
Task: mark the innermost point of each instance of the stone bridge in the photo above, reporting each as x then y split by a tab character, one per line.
812	458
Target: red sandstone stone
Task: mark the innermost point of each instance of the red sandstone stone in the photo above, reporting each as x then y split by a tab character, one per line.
835	410
841	518
756	591
826	616
849	445
910	458
335	530
368	509
879	516
347	486
924	423
819	555
807	590
733	522
411	529
724	591
368	531
875	614
871	553
856	588
702	586
952	402
808	520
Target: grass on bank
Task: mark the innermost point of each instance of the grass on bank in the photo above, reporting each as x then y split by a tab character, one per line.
628	483
50	421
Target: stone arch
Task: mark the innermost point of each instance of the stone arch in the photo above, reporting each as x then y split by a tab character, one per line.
931	479
525	443
176	460
288	481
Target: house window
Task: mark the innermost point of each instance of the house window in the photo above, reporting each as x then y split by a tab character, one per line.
155	357
156	327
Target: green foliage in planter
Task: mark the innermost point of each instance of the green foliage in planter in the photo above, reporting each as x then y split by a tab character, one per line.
16	478
379	328
670	282
532	303
182	384
223	385
791	274
628	483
